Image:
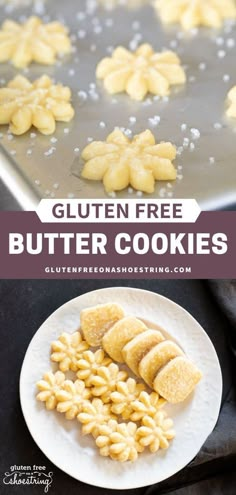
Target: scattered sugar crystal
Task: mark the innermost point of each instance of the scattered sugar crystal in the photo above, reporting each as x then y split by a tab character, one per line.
93	47
76	150
81	34
192	79
202	66
139	194
212	159
226	78
29	152
165	99
54	139
219	41
130	190
33	135
83	95
97	29
170	194
90	139
112	194
156	98
169	185
47	192
109	22
185	142
52	195
13	152
162	192
70	195
37	182
195	133
92	85
56	185
183	127
221	53
80	16
230	42
217	126
102	124
194	31
179	176
192	147
132	120
66	130
10	137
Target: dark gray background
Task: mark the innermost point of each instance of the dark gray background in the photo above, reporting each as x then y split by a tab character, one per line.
26	304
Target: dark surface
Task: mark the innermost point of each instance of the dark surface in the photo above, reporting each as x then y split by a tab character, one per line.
26	304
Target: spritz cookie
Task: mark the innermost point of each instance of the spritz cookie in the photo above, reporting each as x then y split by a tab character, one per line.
89	363
48	388
94	414
192	13
118	441
231	111
96	321
33	41
119	334
71	397
141	72
126	393
121	162
41	103
156	432
146	405
106	380
67	350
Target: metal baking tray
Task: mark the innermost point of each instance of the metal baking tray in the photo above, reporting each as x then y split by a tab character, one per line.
35	166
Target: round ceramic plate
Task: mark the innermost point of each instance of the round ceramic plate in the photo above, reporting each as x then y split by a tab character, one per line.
61	440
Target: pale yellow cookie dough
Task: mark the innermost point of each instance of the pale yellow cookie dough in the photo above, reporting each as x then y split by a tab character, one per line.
141	72
120	162
231	111
41	103
192	13
32	41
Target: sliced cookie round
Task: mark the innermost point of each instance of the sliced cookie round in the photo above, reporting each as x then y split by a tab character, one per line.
96	321
139	346
122	332
177	380
156	358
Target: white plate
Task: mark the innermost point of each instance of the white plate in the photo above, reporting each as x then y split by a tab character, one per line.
61	441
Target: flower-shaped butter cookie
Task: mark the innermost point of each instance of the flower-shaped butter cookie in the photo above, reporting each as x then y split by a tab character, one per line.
231	112
156	432
141	72
120	162
93	415
192	13
67	350
125	394
106	380
90	363
32	41
48	388
146	405
119	441
70	399
40	104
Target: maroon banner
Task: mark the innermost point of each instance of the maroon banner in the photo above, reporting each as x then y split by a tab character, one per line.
204	249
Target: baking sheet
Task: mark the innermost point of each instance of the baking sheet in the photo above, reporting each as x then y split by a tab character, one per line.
36	166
